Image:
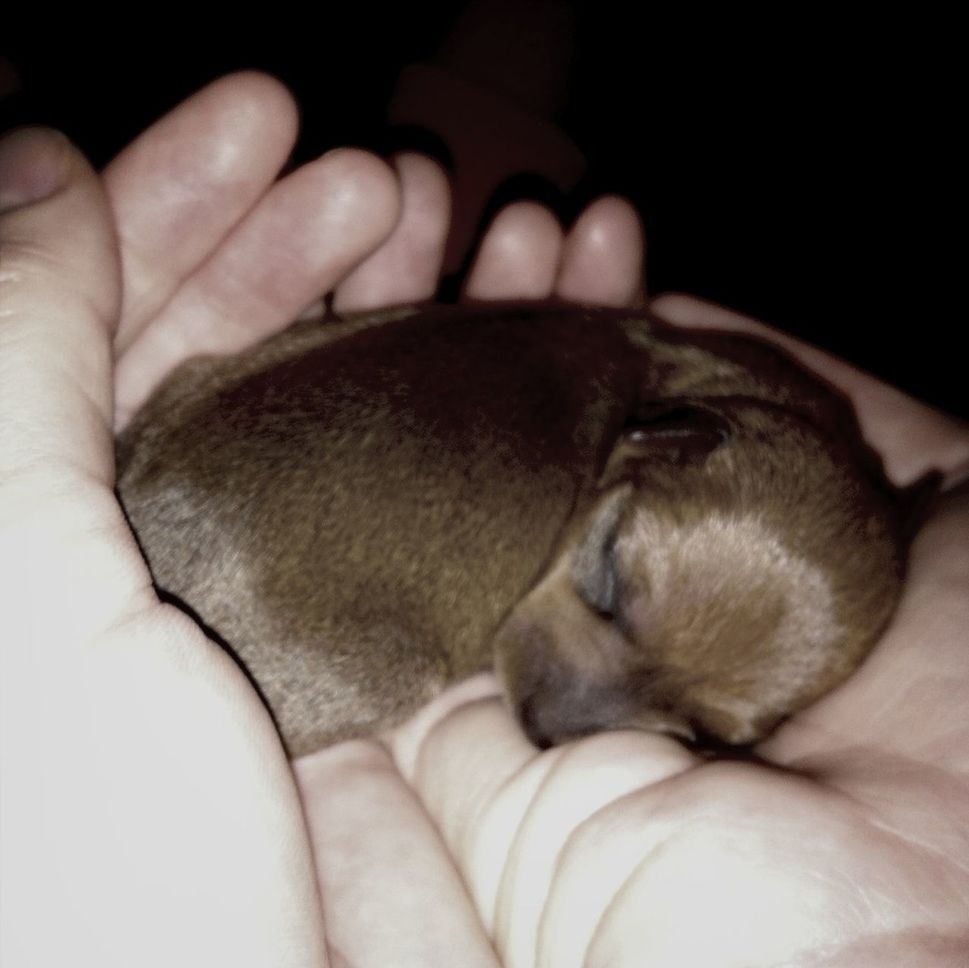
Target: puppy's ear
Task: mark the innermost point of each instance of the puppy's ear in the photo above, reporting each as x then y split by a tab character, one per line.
670	432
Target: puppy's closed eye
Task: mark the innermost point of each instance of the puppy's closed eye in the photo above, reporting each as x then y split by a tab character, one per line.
595	569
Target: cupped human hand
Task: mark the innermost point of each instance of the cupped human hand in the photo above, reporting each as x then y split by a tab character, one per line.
149	815
156	819
841	842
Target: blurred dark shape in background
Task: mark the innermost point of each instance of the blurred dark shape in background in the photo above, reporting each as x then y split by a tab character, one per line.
798	167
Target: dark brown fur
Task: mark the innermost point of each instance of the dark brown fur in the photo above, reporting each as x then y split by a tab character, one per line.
636	527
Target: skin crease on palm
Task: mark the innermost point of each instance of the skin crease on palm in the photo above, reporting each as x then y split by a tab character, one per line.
141	775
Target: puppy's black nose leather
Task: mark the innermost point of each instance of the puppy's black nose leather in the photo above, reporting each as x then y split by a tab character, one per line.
530	716
551	715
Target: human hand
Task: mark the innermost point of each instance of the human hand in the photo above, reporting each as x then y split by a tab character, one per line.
625	849
362	809
149	816
843	844
143	781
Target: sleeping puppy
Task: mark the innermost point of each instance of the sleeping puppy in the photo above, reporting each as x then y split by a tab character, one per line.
634	527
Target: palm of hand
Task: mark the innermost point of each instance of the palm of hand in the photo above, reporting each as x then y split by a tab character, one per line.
620	849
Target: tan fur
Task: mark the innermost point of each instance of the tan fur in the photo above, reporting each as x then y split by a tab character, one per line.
636	527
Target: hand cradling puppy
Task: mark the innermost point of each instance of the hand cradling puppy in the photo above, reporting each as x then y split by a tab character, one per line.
633	526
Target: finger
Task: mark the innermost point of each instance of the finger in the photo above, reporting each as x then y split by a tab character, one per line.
589	776
390	892
459	790
301	239
519	255
406	741
506	811
603	254
182	185
60	296
116	710
769	865
60	285
406	267
911	436
704	837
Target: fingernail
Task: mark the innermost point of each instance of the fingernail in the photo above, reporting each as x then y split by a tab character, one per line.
33	165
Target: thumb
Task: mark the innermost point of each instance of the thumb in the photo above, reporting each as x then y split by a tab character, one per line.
149	815
60	292
63	539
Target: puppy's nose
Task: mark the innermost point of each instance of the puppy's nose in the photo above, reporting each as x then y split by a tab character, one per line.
549	717
534	722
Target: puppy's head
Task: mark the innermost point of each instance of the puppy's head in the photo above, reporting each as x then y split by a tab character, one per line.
734	565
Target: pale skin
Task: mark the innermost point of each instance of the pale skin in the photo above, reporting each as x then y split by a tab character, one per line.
148	814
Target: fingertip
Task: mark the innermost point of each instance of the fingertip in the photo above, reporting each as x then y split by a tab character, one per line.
55	224
264	97
185	182
426	185
358	182
406	267
224	123
519	255
692	312
260	88
406	742
425	188
680	308
246	100
603	255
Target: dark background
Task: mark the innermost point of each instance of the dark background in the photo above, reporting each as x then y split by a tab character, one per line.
800	170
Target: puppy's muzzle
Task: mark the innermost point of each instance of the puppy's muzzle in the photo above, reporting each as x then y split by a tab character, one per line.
562	708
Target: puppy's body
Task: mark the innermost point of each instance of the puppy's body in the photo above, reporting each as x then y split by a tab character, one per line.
640	529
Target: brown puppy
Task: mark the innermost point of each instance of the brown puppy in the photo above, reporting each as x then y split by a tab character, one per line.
635	527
